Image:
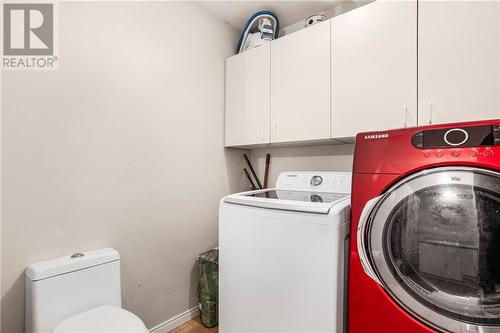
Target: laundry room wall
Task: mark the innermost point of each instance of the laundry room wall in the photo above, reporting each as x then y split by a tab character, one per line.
310	158
1	73
121	147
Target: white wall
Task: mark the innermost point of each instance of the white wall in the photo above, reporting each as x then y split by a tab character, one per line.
315	158
1	212
121	147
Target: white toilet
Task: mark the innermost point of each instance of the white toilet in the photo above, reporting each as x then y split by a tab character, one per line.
76	294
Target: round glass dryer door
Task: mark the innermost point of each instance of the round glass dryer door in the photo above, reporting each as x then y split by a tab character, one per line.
433	242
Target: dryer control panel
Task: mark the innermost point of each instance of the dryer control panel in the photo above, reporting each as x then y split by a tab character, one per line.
473	136
403	150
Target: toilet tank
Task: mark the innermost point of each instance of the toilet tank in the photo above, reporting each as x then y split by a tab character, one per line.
63	287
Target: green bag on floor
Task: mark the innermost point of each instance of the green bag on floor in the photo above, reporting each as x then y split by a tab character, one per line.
208	287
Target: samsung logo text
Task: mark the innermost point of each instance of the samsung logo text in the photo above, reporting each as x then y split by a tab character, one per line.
376	136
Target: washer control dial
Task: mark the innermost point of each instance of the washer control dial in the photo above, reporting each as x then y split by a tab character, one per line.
316	180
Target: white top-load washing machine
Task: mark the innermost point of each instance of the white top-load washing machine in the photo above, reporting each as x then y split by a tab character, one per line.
282	255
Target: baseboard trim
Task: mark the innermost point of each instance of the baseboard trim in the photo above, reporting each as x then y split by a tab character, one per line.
176	321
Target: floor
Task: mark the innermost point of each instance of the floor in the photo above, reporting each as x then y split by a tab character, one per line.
194	326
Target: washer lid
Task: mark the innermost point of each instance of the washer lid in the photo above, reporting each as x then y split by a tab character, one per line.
303	191
104	319
302	201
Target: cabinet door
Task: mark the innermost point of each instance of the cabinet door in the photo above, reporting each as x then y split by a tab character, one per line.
300	85
374	68
247	97
458	61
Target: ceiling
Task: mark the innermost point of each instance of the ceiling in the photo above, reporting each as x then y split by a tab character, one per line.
236	13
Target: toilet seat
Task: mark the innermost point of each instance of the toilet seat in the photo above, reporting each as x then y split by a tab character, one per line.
104	319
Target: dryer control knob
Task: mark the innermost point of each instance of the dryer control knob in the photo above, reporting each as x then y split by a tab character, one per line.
487	153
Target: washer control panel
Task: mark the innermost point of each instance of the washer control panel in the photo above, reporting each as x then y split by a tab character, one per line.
317	181
459	137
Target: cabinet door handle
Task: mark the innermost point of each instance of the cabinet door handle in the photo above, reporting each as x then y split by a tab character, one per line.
405	110
430	113
275	131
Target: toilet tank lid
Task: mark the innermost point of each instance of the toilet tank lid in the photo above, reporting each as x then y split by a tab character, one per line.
45	269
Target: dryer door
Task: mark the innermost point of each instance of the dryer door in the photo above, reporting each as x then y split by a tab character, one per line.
433	242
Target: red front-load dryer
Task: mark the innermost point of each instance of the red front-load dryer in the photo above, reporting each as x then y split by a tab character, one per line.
425	231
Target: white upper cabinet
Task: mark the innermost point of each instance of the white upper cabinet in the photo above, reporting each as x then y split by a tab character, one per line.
248	97
387	64
458	61
300	85
374	68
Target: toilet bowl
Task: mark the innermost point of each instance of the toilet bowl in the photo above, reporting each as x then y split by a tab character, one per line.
77	294
102	319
